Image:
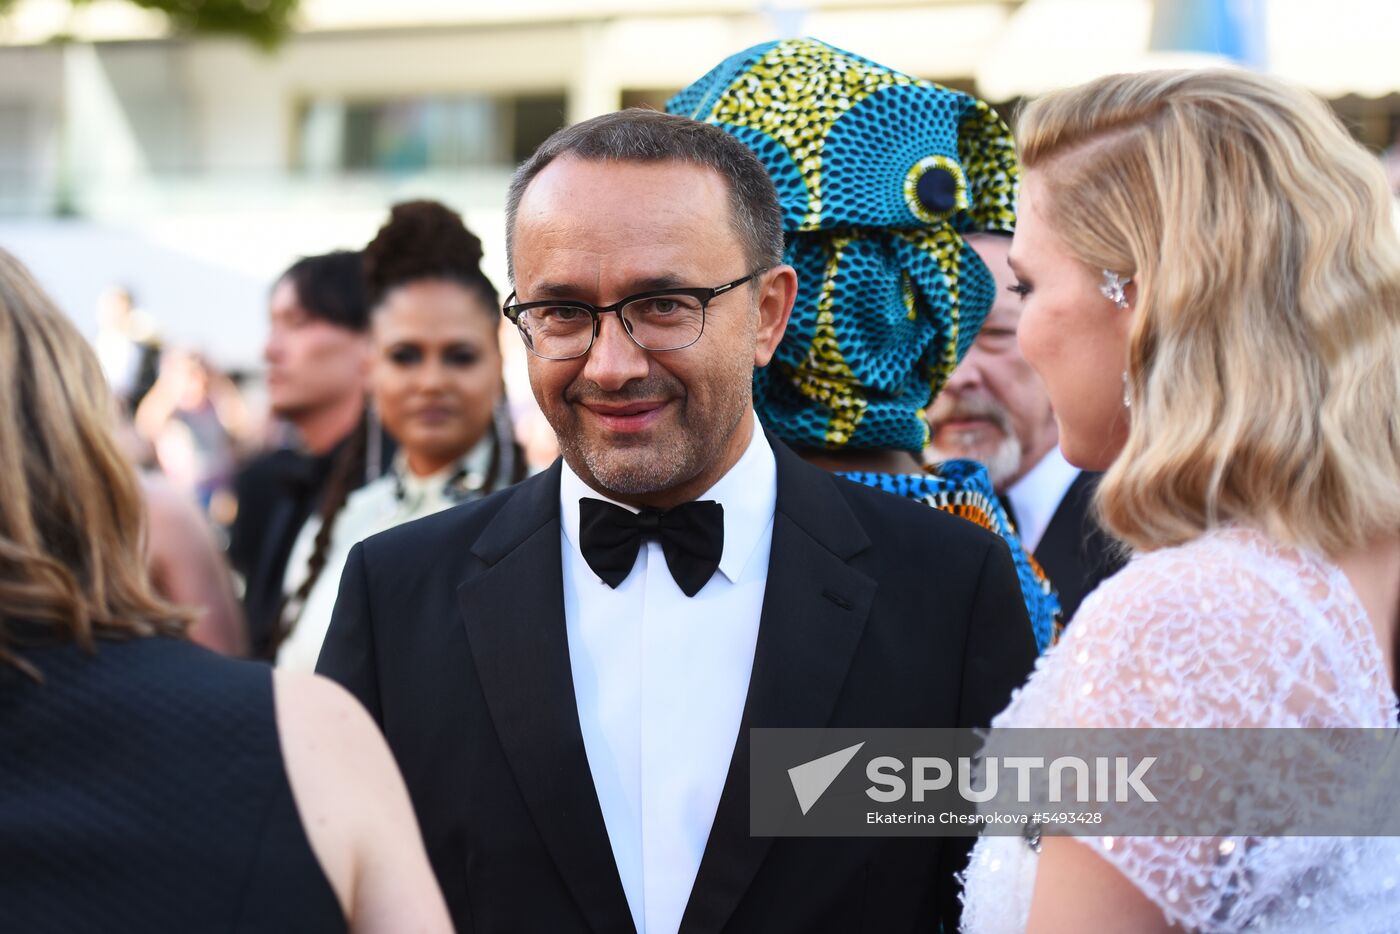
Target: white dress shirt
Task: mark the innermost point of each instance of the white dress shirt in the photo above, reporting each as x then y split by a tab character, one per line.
1037	495
660	680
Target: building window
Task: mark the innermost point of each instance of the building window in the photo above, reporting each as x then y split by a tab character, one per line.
425	133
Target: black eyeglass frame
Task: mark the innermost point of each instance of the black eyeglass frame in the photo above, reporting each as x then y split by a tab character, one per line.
703	296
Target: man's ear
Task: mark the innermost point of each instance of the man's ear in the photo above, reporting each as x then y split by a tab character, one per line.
776	293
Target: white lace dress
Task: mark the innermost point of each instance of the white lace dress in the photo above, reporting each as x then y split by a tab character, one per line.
1230	630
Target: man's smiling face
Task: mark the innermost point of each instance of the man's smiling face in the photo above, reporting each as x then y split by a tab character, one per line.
636	424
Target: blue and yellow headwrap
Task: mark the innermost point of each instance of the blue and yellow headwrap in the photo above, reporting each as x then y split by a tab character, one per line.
879	175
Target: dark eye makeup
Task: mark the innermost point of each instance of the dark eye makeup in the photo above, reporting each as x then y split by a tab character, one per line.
457	355
460	355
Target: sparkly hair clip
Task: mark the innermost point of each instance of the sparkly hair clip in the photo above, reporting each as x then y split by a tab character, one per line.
1114	288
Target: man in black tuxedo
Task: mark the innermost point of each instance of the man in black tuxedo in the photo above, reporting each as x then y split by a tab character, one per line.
567	671
994	409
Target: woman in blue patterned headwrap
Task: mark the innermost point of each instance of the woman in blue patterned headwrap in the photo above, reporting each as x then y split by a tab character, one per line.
880	176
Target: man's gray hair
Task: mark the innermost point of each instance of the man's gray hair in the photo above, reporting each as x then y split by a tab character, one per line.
639	135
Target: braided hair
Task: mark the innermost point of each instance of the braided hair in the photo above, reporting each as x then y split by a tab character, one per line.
422	240
348	473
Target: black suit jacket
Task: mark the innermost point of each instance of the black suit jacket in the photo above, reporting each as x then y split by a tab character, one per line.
878	611
1075	551
276	493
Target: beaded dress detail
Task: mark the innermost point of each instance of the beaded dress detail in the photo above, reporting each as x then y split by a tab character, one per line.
1230	630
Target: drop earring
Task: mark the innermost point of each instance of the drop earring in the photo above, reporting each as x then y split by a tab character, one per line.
374	444
1115	289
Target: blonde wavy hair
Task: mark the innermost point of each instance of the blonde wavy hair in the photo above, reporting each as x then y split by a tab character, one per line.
71	514
1264	358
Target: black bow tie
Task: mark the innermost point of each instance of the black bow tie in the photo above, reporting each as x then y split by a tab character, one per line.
691	536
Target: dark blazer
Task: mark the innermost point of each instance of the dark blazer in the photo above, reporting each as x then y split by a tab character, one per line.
878	612
1075	551
276	493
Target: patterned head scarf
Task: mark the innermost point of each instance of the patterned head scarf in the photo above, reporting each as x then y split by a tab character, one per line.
879	175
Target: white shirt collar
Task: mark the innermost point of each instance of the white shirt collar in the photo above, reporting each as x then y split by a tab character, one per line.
748	493
1037	495
417	491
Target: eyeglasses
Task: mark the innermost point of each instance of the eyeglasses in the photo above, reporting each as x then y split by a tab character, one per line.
661	320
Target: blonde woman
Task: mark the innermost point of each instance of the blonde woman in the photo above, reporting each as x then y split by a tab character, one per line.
147	783
1211	289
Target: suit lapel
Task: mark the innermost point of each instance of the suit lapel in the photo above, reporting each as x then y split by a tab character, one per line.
513	606
1065	529
1075	551
814	611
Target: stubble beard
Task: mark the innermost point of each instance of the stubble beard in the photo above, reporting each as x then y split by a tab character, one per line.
681	454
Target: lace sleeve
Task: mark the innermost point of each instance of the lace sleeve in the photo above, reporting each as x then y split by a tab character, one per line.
1212	635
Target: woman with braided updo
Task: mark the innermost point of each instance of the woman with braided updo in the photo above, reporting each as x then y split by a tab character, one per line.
435	384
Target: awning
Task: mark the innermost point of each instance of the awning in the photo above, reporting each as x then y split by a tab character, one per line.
1336	48
1050	44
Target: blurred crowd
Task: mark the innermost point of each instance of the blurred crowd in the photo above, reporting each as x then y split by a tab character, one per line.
254	480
